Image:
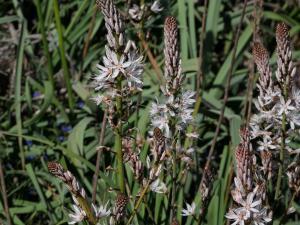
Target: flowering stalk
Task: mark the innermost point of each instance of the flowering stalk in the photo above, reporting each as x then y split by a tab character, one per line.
278	105
159	154
82	207
282	73
173	116
248	193
118	78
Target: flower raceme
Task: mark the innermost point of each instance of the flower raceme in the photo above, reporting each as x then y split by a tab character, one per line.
121	62
178	105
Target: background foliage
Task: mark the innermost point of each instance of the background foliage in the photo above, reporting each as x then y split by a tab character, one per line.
39	123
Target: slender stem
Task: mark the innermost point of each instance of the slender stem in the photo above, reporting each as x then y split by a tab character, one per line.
45	43
67	75
3	190
87	41
282	148
173	196
137	120
257	14
151	57
138	203
96	174
226	92
85	206
18	89
202	36
118	137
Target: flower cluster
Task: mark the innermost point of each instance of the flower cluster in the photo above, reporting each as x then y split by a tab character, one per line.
82	209
176	112
137	13
278	102
122	68
248	194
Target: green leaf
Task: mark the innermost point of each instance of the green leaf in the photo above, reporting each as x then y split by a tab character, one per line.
47	101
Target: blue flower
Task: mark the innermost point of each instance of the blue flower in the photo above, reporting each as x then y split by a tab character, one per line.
36	94
30	157
66	128
28	143
80	104
61	138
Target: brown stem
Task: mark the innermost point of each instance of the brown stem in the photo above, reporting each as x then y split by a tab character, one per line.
87	41
96	174
202	37
257	13
151	57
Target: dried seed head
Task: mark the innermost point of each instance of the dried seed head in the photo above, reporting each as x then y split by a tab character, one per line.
293	173
244	160
261	59
171	27
285	69
261	189
159	144
67	177
175	222
266	160
120	205
260	54
130	156
172	60
158	135
55	169
206	184
282	33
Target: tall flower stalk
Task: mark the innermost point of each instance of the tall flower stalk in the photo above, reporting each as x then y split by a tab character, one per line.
175	113
277	121
272	129
248	192
118	78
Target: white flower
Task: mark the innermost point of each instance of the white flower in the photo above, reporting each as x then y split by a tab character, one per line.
239	216
97	99
156	7
158	186
112	67
190	209
262	217
186	106
160	117
294	119
192	135
266	144
296	96
250	205
101	211
77	216
134	71
135	12
285	106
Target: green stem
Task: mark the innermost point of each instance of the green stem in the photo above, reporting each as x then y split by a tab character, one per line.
63	54
173	197
45	43
282	147
118	132
138	203
85	206
18	89
174	171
